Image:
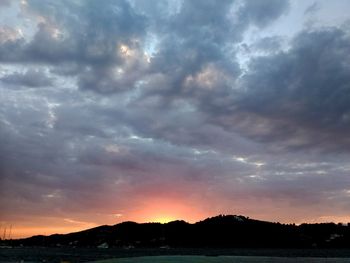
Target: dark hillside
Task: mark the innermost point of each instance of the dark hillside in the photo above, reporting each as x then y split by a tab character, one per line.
217	232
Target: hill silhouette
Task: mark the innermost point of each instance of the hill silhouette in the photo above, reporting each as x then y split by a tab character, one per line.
223	231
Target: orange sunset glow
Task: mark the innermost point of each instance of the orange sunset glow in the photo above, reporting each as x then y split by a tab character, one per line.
163	211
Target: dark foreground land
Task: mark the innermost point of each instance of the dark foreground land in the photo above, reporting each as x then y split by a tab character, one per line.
72	255
212	237
217	232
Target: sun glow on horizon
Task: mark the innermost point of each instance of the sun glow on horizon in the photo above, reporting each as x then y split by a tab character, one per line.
166	210
27	231
163	219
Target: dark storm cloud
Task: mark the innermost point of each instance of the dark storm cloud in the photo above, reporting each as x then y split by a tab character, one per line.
31	78
195	63
85	33
89	35
86	36
302	93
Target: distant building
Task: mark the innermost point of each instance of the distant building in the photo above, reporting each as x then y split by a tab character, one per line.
103	245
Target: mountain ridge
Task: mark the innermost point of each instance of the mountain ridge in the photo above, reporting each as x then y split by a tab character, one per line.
229	231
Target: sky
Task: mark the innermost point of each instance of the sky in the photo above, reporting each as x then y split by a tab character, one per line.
148	110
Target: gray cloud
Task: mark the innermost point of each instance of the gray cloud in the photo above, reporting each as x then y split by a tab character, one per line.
313	8
93	41
5	2
261	13
268	44
302	93
8	34
30	78
86	35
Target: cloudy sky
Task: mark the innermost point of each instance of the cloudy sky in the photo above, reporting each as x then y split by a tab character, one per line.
158	110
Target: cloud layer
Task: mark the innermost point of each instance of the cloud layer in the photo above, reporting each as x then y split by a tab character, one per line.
129	107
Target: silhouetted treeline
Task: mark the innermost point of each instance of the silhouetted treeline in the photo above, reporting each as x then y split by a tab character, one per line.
216	232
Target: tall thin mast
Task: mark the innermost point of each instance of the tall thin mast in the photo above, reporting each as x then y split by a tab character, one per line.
10	232
4	236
